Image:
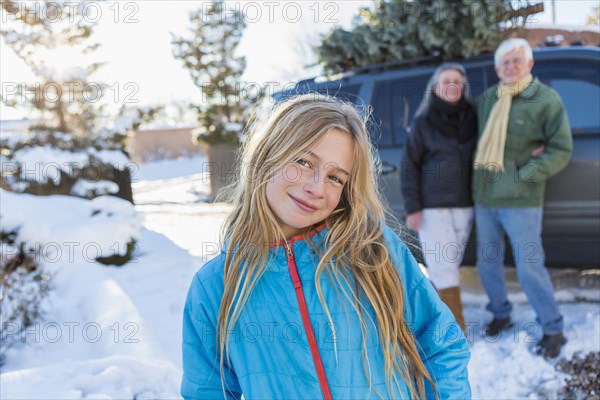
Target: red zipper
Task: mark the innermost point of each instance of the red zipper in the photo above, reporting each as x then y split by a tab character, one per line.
314	349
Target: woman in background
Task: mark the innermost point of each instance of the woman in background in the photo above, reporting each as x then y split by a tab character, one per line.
436	179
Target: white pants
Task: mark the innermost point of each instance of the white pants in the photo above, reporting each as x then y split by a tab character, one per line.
444	233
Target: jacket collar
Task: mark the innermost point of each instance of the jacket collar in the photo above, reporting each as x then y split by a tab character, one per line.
528	93
300	237
531	90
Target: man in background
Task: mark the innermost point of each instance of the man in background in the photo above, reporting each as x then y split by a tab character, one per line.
524	138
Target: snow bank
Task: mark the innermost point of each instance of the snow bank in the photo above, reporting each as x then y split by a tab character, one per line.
506	366
114	377
109	333
70	229
177	181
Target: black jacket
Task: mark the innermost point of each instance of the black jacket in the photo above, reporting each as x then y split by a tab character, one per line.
436	168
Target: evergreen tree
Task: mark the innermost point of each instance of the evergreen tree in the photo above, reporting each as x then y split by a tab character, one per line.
65	103
209	54
396	30
63	98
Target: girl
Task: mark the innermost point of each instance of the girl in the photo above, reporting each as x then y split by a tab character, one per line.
436	183
313	296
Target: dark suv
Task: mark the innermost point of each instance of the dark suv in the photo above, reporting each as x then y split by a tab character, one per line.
571	226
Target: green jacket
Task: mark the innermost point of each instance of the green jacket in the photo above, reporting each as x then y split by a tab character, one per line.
537	116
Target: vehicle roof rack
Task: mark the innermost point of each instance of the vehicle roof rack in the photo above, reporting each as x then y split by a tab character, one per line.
395	64
403	63
377	68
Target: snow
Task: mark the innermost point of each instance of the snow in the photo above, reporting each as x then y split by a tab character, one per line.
215	32
131	379
10	127
64	73
506	367
42	164
169	168
85	188
110	332
75	230
116	158
569	28
122	123
171	181
11	37
115	332
73	73
233	127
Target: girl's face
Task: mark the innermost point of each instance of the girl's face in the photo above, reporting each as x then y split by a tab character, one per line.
307	191
450	86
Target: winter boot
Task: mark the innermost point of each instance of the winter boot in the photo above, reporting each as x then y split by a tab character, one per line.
550	345
451	296
498	325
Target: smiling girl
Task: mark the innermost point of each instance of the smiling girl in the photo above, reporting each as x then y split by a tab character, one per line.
312	295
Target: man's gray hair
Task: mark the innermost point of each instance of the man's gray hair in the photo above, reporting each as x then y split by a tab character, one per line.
512	44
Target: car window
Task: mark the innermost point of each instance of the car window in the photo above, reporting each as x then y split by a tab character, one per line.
381	127
476	82
394	105
578	84
490	75
406	98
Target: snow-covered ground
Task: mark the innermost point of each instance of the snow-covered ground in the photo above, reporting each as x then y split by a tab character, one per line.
114	332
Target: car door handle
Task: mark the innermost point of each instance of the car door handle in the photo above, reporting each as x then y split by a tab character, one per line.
387	168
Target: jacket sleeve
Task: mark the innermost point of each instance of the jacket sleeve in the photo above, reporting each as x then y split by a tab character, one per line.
443	347
411	170
559	144
201	369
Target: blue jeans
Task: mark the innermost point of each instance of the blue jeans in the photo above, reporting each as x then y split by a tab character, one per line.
523	227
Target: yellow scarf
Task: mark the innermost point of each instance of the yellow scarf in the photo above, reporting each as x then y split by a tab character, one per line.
490	150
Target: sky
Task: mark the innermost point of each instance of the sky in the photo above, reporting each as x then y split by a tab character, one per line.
140	69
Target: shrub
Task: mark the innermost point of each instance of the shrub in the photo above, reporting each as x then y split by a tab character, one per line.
23	286
583	371
48	162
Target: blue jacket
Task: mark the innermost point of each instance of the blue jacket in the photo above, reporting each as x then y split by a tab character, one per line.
269	352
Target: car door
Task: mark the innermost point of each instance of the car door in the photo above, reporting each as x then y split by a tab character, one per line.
572	204
571	225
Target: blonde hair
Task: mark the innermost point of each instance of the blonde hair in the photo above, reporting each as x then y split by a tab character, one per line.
293	127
